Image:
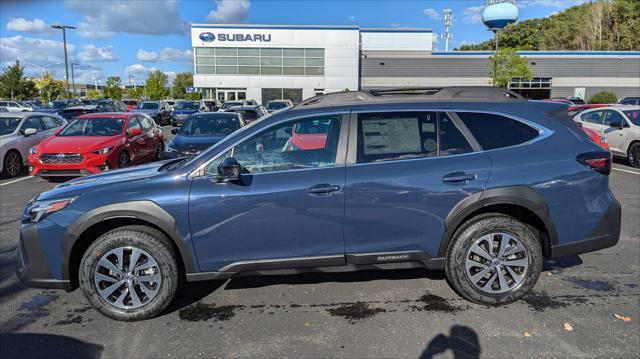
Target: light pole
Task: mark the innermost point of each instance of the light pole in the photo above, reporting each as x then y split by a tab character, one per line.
73	79
64	39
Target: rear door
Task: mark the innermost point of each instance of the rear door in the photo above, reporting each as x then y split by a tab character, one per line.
615	136
593	120
405	173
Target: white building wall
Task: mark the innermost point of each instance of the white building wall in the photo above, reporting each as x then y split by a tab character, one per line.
396	40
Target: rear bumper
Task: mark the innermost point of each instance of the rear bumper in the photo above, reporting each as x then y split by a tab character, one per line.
605	235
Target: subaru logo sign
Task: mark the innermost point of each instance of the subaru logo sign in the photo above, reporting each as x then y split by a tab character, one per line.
60	155
207	37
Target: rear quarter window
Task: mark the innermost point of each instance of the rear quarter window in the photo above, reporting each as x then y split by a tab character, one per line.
496	131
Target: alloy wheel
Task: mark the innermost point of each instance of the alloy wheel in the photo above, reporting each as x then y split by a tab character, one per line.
13	164
123	161
127	278
496	263
634	155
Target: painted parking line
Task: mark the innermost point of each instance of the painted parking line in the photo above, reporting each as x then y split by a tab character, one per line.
16	180
621	170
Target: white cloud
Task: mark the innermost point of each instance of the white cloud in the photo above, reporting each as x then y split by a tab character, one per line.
473	14
465	42
229	12
21	24
136	69
86	74
433	14
171	75
435	40
94	53
167	54
27	49
105	18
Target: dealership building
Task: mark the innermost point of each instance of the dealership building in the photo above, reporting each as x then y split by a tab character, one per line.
265	62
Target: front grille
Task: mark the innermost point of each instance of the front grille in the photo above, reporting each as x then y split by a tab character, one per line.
61	158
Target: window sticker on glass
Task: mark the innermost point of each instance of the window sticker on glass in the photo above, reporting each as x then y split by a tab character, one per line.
398	135
429	127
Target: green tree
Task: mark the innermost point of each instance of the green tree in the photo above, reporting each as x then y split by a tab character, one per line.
113	88
49	87
14	85
604	97
156	85
194	96
93	94
506	65
180	83
136	92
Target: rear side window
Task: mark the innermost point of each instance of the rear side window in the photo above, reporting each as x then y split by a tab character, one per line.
495	131
405	135
592	117
49	122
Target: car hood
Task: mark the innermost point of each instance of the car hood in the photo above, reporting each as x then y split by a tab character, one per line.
184	112
194	143
76	144
48	110
145	111
105	181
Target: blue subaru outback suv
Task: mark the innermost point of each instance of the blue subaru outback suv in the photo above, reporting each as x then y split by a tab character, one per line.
476	181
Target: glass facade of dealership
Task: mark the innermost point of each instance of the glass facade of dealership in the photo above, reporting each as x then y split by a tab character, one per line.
259	61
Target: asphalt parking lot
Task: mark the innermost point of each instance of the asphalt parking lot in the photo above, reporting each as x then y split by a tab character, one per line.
406	313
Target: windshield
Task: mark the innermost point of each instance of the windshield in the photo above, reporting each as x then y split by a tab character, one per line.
578	101
94	127
314	127
55	104
276	105
633	116
130	102
8	125
187	106
148	106
210	125
231	104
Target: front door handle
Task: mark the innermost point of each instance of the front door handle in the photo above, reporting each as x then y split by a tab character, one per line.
323	188
458	177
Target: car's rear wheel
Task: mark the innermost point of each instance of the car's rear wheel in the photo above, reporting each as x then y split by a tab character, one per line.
130	273
494	259
12	164
633	154
124	160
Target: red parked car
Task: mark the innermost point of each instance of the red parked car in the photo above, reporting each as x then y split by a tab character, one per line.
309	135
596	138
98	142
574	110
131	104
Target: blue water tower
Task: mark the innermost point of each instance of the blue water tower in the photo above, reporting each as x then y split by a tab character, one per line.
500	13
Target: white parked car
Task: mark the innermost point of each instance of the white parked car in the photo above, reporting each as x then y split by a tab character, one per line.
620	125
21	131
14	106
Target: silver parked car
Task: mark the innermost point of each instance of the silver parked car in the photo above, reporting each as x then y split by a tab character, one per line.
620	125
14	106
19	131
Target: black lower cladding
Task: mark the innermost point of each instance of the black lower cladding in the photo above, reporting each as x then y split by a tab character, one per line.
605	235
31	268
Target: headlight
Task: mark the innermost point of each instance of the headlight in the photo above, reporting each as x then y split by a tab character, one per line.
102	151
168	148
40	209
33	150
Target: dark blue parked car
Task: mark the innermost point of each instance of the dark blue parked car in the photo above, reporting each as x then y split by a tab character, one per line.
182	111
200	131
476	181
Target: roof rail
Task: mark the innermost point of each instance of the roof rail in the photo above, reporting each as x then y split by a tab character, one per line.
453	92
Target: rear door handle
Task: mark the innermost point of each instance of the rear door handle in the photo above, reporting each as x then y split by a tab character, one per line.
323	188
458	177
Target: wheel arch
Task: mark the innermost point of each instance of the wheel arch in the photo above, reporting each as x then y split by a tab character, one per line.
520	202
91	225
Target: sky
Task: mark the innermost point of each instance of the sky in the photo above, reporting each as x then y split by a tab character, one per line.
128	38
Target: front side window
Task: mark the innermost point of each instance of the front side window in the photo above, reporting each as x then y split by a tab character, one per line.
495	131
49	122
133	124
9	124
451	141
301	144
32	122
144	122
613	117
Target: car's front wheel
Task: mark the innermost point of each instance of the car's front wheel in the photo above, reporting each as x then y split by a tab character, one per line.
494	259
12	164
130	273
633	154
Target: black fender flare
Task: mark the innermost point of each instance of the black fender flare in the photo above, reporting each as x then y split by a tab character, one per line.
147	211
522	196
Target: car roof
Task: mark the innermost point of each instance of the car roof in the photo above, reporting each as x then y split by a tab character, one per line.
108	115
16	114
245	107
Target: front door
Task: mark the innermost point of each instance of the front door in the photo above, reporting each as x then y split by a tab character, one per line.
615	136
410	170
288	208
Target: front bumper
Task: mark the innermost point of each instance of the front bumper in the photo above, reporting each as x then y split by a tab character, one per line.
605	235
32	267
92	164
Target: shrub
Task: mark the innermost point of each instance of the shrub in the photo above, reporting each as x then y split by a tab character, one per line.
604	97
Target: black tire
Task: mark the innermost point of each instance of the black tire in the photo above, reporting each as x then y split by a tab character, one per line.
124	160
12	164
474	229
633	155
159	151
142	238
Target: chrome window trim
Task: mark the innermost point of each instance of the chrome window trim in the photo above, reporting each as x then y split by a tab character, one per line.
199	172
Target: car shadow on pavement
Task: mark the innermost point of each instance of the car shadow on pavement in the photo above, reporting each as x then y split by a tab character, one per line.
32	345
462	340
322	277
190	293
561	263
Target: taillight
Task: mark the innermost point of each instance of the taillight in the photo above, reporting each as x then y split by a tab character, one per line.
597	161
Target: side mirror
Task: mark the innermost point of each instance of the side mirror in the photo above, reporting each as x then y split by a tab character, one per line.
616	125
29	131
229	170
58	130
134	132
174	131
